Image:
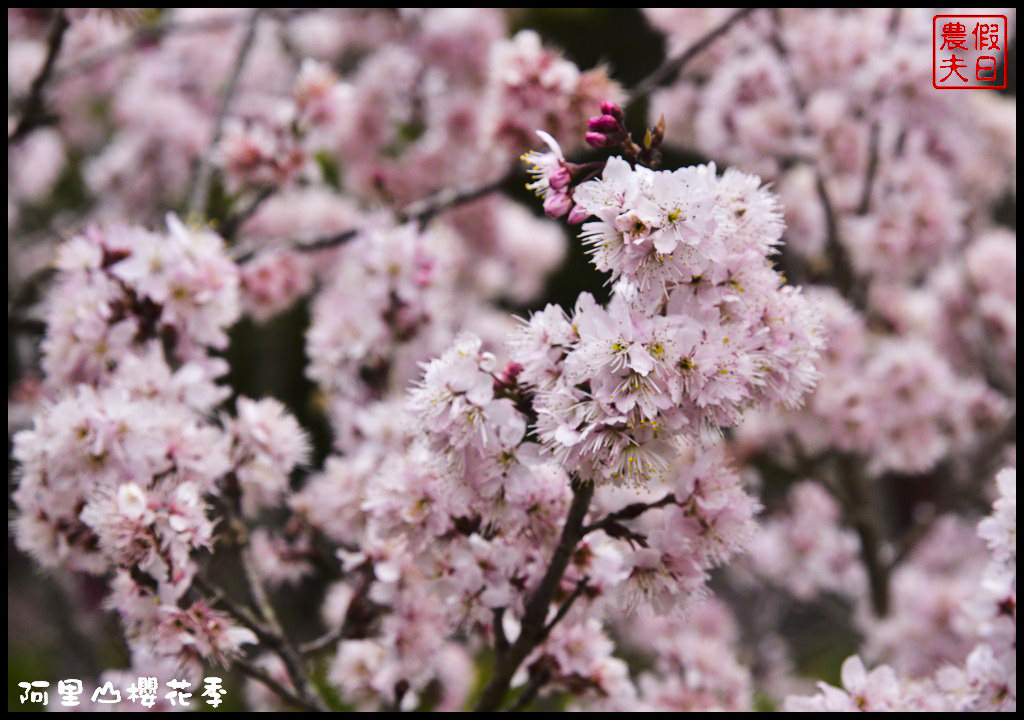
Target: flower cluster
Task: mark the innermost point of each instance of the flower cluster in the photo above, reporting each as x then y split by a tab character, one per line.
122	286
700	326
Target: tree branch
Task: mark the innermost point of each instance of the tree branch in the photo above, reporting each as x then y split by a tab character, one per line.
537	681
630	512
33	114
422	211
533	628
233	223
282	691
674	65
345	629
272	631
872	170
500	639
204	174
563	609
860	502
839	259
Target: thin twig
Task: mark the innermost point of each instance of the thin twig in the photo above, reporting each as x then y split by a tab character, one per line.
282	691
422	211
566	606
241	613
840	266
267	636
234	222
630	512
204	174
328	241
33	114
872	170
674	65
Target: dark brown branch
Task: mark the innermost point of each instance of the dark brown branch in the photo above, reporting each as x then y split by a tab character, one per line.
500	638
838	258
674	65
267	637
533	629
33	113
840	266
241	613
328	241
861	505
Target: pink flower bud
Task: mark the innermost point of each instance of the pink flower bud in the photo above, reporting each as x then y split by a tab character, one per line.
511	372
610	108
577	215
557	204
560	178
596	139
603	124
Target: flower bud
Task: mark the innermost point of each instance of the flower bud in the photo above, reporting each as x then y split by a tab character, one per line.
603	124
596	139
560	178
557	204
610	108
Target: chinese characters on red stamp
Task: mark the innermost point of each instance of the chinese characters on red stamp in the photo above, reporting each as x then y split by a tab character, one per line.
969	51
